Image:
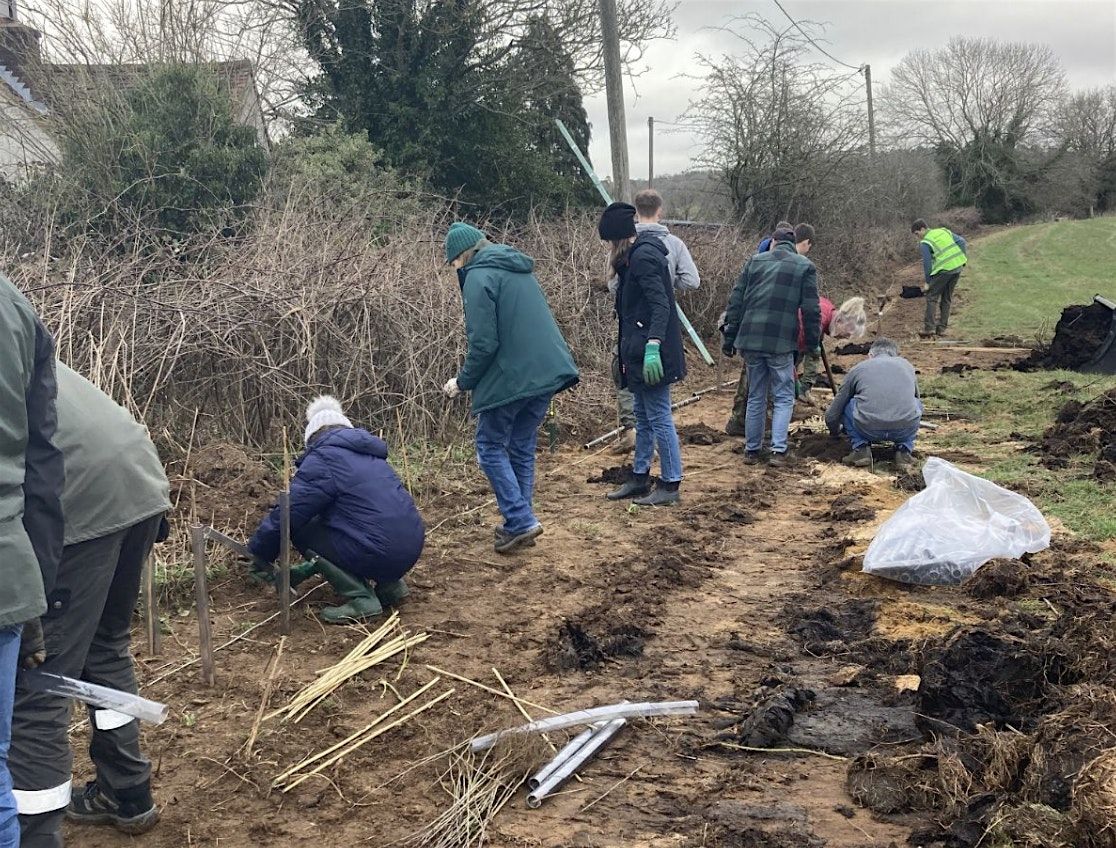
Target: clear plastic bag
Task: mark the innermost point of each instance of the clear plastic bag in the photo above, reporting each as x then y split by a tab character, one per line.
942	535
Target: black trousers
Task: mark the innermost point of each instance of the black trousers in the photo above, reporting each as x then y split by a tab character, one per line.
88	636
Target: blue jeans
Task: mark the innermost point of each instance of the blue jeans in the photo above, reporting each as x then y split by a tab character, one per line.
774	372
9	663
903	439
655	428
506	441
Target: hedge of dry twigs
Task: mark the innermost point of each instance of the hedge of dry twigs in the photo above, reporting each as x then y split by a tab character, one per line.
228	338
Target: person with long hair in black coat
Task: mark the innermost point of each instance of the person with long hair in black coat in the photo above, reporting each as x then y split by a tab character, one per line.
650	348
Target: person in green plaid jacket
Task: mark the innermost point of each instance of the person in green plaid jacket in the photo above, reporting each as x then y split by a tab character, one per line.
762	323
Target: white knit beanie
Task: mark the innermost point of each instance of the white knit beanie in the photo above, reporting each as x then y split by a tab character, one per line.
324	411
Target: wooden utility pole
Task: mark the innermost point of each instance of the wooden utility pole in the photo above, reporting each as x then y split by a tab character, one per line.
871	112
650	152
614	92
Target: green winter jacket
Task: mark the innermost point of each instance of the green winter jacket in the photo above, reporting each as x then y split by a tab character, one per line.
22	597
114	478
516	350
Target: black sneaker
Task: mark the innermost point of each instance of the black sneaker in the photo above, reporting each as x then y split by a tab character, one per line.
507	542
752	457
134	813
500	535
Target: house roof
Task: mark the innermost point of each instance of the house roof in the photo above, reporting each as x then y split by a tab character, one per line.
47	86
53	81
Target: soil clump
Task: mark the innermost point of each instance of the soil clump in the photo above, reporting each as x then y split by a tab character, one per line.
850	507
1083	429
578	648
1078	337
613	476
820	446
1000	578
853	349
701	434
910	481
228	489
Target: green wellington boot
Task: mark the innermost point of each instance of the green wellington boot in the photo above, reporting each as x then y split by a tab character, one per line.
391	592
362	601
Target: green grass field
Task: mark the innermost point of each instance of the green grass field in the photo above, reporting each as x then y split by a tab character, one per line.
1019	280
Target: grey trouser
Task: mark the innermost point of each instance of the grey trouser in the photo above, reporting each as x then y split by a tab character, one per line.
88	636
625	401
940	291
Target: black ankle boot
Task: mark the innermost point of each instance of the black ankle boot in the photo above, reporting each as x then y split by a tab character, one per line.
665	494
636	486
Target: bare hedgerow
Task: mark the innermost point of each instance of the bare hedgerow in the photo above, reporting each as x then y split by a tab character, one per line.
218	338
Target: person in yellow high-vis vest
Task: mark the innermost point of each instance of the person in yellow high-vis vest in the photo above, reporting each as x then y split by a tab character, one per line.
944	254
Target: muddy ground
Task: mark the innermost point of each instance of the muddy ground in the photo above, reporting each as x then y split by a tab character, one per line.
747	597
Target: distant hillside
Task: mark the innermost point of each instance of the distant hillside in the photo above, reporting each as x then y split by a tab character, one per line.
692	196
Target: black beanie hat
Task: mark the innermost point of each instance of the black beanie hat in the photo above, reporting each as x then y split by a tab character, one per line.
617	222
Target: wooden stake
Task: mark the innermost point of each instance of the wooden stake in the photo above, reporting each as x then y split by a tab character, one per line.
237	638
285	563
151	609
201	597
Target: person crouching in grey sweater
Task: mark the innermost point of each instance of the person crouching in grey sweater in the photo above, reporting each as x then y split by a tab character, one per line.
878	402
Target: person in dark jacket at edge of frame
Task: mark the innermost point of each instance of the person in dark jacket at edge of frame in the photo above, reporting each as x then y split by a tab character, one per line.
878	402
944	255
115	502
31	476
683	274
651	354
351	518
517	361
761	322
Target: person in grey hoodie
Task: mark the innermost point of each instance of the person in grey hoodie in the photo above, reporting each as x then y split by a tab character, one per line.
684	276
878	402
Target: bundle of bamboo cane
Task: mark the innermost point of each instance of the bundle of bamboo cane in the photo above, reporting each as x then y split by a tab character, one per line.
302	771
373	650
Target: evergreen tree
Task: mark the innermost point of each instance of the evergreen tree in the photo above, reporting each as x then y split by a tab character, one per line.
446	102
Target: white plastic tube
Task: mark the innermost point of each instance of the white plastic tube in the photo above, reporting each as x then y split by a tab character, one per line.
561	722
101	697
564	754
575	762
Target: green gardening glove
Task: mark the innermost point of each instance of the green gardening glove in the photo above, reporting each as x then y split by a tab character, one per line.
652	364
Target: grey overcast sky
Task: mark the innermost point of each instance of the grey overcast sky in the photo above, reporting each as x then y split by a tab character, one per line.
877	32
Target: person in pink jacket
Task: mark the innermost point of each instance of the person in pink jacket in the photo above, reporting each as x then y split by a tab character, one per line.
848	322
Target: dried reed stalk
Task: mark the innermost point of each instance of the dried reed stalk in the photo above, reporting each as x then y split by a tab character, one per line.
371	651
480	785
295	775
272	668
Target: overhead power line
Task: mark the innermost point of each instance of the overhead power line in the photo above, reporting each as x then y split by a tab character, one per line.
809	38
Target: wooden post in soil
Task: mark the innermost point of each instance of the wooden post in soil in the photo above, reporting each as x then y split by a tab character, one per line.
201	596
151	609
285	562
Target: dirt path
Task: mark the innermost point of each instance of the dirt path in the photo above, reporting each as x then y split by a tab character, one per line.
707	596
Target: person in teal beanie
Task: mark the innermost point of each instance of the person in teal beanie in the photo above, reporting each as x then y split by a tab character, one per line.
517	361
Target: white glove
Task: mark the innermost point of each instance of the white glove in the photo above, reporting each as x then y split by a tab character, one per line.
451	389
